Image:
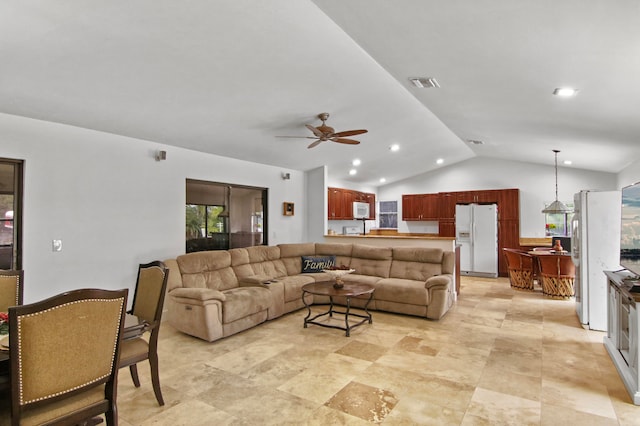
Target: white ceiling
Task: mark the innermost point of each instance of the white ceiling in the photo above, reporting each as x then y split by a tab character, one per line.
227	77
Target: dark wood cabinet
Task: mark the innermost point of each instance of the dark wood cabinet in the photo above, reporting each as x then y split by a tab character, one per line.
508	237
509	204
420	207
340	203
447	208
447	228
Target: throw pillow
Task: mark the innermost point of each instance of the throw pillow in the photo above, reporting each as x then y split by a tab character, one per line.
317	263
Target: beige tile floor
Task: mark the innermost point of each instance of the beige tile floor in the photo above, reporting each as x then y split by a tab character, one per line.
499	357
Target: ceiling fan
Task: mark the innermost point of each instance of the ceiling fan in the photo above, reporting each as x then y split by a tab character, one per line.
325	133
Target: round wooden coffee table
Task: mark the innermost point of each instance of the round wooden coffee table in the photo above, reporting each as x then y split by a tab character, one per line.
348	291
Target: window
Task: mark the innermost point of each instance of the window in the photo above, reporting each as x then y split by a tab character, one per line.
10	214
220	216
388	214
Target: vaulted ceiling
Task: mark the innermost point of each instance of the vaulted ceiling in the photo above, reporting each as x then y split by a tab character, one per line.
228	77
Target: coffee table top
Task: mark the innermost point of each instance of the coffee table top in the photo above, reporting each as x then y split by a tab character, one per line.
325	288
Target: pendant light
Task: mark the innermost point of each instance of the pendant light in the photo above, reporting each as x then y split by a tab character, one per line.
557	206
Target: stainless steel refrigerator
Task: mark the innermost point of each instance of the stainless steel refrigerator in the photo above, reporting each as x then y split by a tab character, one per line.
595	248
477	235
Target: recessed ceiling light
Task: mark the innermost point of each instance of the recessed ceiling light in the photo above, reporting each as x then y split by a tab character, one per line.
439	161
395	147
475	142
424	82
568	162
565	92
356	162
353	172
382	180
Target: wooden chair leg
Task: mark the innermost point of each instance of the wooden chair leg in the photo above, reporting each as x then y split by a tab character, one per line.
155	377
133	368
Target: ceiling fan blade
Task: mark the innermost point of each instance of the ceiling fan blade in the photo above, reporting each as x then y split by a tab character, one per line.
315	131
349	133
315	143
347	141
298	137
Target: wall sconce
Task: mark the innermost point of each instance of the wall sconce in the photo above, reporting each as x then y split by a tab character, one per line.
161	155
286	176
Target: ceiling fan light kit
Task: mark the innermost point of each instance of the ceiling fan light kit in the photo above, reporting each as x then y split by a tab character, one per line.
324	133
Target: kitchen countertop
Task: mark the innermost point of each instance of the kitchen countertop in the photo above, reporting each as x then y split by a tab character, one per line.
391	237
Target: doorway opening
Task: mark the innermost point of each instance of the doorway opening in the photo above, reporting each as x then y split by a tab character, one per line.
11	178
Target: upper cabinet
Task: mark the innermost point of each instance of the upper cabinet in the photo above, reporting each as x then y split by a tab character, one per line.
420	207
341	203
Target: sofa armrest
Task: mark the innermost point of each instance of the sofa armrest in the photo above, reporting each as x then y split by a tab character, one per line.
255	281
438	281
199	294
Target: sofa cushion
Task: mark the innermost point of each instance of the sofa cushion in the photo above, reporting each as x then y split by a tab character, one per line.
312	264
258	260
369	260
402	291
293	286
244	301
291	255
342	252
415	263
207	269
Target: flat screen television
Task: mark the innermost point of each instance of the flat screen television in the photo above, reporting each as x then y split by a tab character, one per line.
630	229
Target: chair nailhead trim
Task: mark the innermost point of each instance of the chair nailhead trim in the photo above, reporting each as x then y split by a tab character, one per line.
113	354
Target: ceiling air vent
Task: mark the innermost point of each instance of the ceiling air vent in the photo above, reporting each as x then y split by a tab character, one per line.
424	82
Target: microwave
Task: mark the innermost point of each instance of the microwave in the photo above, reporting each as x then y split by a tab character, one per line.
360	210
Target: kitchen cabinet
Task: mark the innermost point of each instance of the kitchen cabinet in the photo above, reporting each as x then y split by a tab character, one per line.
340	203
420	207
447	228
623	333
447	205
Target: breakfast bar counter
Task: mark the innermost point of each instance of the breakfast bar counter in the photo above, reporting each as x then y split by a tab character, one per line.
445	243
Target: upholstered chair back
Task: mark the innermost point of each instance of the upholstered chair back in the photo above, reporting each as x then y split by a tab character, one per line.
150	288
65	348
11	289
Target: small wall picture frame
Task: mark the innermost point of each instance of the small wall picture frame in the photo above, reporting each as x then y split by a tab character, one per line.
287	209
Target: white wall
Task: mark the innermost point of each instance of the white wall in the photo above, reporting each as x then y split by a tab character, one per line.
536	184
113	206
629	175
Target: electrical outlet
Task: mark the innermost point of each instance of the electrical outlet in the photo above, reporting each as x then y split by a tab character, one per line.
56	245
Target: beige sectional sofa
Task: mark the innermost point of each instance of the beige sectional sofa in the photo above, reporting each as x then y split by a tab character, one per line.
214	294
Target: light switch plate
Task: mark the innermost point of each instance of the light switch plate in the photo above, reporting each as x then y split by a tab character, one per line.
56	245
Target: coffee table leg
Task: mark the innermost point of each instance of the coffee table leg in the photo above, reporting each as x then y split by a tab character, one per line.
331	306
366	305
308	309
346	316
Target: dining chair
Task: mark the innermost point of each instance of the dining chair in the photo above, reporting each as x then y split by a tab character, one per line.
64	357
148	301
558	273
11	288
520	265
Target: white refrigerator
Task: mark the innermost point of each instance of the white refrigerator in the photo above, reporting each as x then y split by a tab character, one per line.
477	235
595	247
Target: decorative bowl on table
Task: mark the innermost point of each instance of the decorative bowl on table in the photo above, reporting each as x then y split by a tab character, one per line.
337	274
